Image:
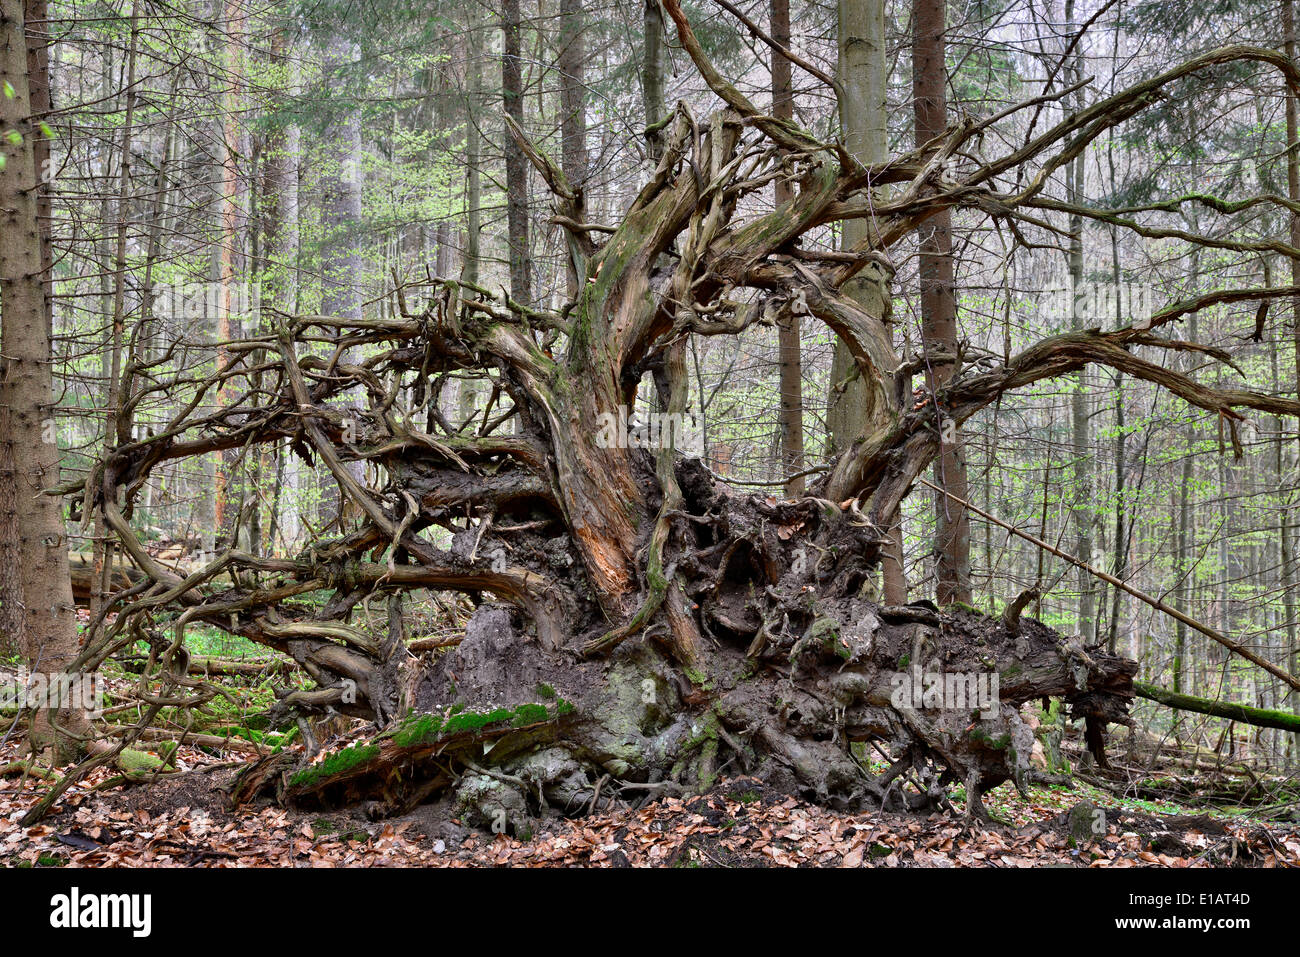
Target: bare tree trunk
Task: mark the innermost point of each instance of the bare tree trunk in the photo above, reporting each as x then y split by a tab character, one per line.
1293	193
1123	525
279	270
116	429
206	490
572	62
512	96
939	310
232	221
1082	510
1183	566
469	267
858	409
341	261
27	398
652	77
573	109
11	584
38	72
11	615
467	397
789	357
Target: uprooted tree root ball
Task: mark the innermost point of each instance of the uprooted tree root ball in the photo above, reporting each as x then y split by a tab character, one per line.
639	627
637	723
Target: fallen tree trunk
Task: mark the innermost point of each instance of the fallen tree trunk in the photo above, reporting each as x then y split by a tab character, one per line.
224	668
221	667
1245	714
224	742
85	579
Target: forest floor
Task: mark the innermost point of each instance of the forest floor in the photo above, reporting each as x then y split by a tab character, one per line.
183	821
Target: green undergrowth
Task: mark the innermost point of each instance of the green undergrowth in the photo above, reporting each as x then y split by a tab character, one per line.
255	735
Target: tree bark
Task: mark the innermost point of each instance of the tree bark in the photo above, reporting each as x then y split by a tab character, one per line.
1293	193
27	398
11	603
571	63
652	77
512	96
859	409
469	269
1082	511
341	260
278	272
789	356
939	309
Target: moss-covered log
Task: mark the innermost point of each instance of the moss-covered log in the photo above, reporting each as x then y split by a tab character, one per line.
1245	714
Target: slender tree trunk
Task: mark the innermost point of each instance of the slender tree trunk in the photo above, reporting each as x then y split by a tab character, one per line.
231	218
469	270
1183	564
855	409
1293	193
1081	484
105	257
512	95
206	491
342	260
341	213
116	430
27	397
279	269
1286	557
572	61
789	357
1123	527
939	309
652	77
573	105
11	616
467	397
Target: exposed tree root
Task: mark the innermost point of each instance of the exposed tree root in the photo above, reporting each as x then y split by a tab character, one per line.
511	727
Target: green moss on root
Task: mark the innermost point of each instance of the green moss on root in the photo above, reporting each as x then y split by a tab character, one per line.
427	729
997	744
335	764
131	761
